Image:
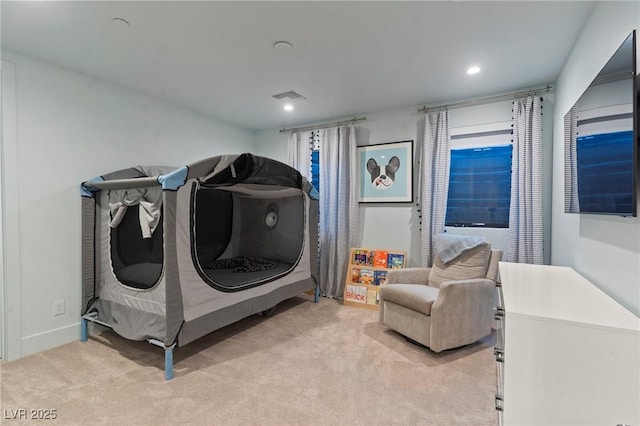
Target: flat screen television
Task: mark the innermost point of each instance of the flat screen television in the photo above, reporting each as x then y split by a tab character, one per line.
601	140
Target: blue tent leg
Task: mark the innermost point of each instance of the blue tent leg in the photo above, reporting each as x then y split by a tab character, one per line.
316	294
168	363
84	335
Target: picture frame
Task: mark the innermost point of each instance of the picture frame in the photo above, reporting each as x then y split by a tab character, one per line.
385	172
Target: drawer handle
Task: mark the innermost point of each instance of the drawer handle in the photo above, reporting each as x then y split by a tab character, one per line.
499	403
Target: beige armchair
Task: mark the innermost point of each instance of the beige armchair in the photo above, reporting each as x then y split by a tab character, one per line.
447	305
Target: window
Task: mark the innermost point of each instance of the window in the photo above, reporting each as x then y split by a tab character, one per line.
315	160
315	169
480	180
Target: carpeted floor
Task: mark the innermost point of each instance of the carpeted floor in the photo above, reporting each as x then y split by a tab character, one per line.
308	364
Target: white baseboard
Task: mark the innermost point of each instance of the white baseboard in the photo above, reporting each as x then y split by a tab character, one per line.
49	339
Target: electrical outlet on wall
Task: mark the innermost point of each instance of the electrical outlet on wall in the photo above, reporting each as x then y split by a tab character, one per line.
58	307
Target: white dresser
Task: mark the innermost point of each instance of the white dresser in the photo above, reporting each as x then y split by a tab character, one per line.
567	354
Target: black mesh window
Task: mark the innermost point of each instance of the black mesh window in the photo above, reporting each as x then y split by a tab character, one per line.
241	241
214	210
137	262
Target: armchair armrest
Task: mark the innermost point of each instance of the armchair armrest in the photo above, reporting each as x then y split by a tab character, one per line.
462	313
455	288
408	276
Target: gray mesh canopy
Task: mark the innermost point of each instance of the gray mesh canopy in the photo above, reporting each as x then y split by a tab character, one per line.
171	254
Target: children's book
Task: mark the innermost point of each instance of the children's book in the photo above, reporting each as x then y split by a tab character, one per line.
355	275
366	276
380	259
379	277
356	293
371	297
395	261
361	257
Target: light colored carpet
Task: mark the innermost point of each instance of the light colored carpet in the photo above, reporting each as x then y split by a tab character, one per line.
309	364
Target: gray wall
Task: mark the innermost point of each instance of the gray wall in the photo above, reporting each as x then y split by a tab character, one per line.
604	249
62	128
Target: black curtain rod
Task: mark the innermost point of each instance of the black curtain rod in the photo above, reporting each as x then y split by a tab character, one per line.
479	101
354	120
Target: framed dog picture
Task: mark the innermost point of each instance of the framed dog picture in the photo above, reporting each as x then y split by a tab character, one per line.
385	173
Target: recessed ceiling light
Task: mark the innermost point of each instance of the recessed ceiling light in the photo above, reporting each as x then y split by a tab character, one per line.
122	23
288	107
473	70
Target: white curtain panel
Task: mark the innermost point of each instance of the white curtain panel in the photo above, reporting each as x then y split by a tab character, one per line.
434	181
339	214
525	214
571	202
299	153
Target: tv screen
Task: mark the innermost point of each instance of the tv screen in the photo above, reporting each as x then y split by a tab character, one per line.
601	141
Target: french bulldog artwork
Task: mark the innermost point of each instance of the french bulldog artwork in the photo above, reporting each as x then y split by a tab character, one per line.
382	177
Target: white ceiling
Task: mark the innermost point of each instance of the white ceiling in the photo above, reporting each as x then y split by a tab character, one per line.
348	57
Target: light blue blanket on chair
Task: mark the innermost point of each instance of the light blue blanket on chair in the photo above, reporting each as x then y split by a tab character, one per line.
450	246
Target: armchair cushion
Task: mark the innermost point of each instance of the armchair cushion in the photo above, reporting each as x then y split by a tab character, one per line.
469	265
417	297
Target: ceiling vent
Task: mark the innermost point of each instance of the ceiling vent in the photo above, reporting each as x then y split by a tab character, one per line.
290	95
